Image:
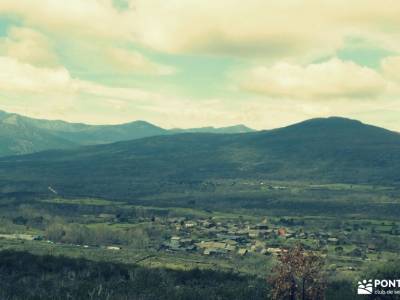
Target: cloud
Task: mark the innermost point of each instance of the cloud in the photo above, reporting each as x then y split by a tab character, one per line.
89	18
21	78
391	67
254	28
327	80
55	93
129	61
250	28
29	46
300	30
99	29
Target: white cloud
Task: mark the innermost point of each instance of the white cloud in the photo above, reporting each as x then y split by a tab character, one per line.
327	80
300	30
29	46
89	18
96	27
25	79
129	61
391	67
22	77
290	29
54	93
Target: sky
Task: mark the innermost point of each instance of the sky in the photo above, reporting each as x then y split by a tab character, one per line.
195	63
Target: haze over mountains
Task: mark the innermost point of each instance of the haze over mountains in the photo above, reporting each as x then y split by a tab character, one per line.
23	135
319	150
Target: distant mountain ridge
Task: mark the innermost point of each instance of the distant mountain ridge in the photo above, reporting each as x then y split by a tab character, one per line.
319	150
23	135
229	129
19	137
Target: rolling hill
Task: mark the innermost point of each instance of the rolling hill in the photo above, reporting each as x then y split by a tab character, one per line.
22	135
318	150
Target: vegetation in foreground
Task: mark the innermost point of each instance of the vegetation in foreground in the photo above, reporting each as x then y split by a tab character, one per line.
166	241
26	276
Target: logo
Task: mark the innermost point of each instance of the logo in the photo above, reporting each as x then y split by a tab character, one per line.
365	287
379	287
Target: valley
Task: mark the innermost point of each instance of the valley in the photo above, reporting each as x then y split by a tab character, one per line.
201	206
206	234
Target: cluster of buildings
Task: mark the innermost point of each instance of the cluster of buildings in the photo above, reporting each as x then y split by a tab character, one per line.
212	237
237	237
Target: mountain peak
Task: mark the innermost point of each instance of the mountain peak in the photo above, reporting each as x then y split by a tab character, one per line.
328	124
332	128
140	123
334	120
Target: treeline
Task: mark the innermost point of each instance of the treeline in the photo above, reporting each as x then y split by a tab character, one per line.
27	276
103	234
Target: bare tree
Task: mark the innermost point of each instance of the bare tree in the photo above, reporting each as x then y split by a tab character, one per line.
299	275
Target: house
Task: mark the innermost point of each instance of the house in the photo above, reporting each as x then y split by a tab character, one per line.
176	243
300	235
171	247
230	247
282	231
190	248
215	251
333	240
186	242
279	187
253	233
208	224
235	238
261	226
371	247
258	246
190	224
323	234
242	252
274	251
242	232
107	216
231	242
211	245
114	248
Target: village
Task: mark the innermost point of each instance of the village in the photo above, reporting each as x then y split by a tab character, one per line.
224	238
227	236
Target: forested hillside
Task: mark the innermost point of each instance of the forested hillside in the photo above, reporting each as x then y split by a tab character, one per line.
319	150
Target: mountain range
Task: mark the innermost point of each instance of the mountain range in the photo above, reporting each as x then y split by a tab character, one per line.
318	150
23	135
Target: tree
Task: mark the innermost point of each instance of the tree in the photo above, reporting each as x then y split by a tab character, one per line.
339	250
55	232
298	276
